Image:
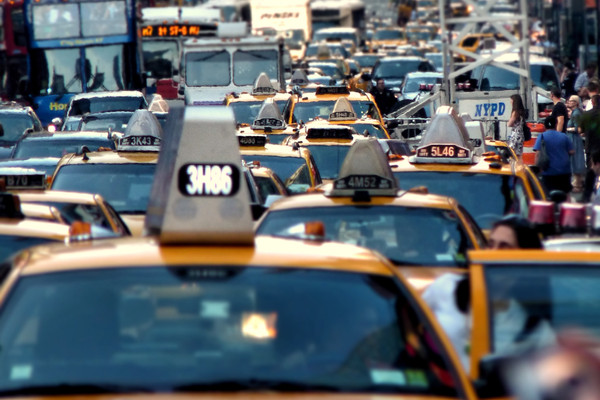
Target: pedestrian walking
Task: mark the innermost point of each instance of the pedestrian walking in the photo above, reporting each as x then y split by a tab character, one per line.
515	123
559	111
578	167
585	76
567	79
559	149
384	97
592	89
589	126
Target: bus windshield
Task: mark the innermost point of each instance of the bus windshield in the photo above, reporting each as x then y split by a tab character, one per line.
58	71
161	57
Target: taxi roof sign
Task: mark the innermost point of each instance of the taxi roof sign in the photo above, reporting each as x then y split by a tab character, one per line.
446	140
263	85
252	140
199	195
331	132
269	117
332	90
342	111
15	178
365	168
299	78
143	133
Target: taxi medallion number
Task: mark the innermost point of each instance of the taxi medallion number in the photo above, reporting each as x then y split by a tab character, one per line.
442	151
211	180
362	182
139	141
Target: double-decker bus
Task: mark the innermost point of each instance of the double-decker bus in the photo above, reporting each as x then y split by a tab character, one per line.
13	50
77	46
163	31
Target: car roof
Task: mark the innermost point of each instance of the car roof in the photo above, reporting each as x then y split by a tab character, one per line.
118	93
404	199
143	252
110	157
65	135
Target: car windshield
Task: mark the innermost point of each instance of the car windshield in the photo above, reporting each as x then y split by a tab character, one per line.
248	64
208	68
161	57
209	329
58	148
329	158
293	171
405	235
389	34
546	298
14	125
107	103
395	69
334	49
246	111
373	130
305	111
115	123
496	78
366	61
319	36
125	186
487	197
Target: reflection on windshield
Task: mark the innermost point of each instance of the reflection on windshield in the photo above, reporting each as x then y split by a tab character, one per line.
12	244
161	57
208	68
293	171
416	236
59	71
487	197
248	64
14	125
125	186
305	111
542	301
246	111
178	329
396	70
328	158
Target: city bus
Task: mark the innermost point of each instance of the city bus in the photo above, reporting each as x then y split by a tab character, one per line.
13	50
163	31
79	46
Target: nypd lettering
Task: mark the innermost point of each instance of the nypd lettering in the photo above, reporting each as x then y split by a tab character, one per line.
210	180
490	109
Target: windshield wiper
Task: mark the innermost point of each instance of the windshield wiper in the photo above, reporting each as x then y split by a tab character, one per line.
68	388
256	385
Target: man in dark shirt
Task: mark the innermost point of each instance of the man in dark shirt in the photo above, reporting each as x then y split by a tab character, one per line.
559	111
384	97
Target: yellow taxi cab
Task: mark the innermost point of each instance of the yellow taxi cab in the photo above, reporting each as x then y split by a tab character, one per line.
445	163
424	235
202	308
63	207
303	107
328	144
269	184
123	177
246	106
520	300
343	114
269	121
294	165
